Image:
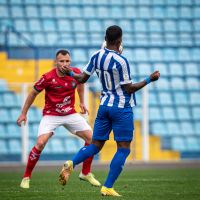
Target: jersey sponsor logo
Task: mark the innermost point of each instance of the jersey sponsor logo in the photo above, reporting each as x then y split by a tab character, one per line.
63	110
73	84
59	86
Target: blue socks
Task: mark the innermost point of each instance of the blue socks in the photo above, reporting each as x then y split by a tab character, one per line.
116	166
85	153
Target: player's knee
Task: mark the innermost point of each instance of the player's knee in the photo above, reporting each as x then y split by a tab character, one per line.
40	145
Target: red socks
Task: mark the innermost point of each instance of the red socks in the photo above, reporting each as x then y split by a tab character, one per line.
32	160
86	168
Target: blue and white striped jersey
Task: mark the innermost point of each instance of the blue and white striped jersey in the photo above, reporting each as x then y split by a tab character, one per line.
113	71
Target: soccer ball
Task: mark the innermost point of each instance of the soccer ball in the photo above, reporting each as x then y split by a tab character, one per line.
104	45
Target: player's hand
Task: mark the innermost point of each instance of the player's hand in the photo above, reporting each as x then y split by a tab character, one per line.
67	69
22	118
84	110
155	76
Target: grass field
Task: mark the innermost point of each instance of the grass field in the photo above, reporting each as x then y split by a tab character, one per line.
144	184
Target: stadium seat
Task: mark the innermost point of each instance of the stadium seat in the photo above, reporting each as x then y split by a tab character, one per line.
116	12
194	98
158	12
170	26
155	114
192	83
46	11
197	128
3	85
141	55
33	130
170	54
89	12
5	116
14	112
196	113
31	11
102	12
57	146
155	26
184	26
79	25
79	55
183	113
34	25
144	69
81	39
171	12
176	69
64	25
126	25
71	145
180	98
177	83
195	54
191	69
155	55
21	25
4	148
13	131
144	12
178	144
74	12
4	11
17	11
14	146
192	143
164	84
171	39
39	39
165	98
49	25
187	128
169	113
61	12
3	133
95	23
186	39
184	54
159	128
174	128
130	12
140	25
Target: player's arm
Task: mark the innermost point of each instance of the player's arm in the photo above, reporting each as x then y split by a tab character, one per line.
29	100
81	91
81	78
134	87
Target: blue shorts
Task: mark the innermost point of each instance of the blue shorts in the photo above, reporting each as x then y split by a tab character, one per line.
120	120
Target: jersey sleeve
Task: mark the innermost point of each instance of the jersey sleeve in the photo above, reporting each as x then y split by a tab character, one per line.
124	72
90	67
40	84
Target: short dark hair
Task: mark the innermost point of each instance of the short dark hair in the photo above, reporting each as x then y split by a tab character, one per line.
63	52
113	33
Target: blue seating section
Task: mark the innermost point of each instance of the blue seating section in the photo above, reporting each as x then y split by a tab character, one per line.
158	35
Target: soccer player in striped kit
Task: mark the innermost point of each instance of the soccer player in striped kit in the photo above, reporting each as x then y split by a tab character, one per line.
115	110
58	111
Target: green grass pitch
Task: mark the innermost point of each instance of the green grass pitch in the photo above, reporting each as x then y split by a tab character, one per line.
133	184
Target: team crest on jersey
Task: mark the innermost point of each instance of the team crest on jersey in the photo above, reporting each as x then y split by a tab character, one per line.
73	84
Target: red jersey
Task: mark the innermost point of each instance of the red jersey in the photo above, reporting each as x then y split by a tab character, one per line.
59	93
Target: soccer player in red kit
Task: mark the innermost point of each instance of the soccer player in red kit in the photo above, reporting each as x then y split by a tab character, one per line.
58	111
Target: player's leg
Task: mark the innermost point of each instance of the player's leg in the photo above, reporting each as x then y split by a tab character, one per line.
97	144
33	158
46	129
122	123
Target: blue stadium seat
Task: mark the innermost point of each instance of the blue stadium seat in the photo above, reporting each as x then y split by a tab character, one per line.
79	55
196	25
128	39
96	39
4	148
31	144
195	54
178	144
196	113
31	11
3	133
5	115
176	69
57	146
184	54
185	12
4	11
61	12
184	26
156	39
170	26
171	39
194	98
46	12
64	25
177	83
89	12
163	69
141	55
17	11
14	146
20	25
52	38
185	39
197	128
49	25
183	113
170	54
158	128
158	12
144	12
62	132
191	69
74	12
173	128
192	83
164	84
48	148
165	98
95	23
13	131
126	25
196	13
33	115
171	12
39	39
155	55
155	114
16	2
140	26
144	69
107	23
169	113
153	99
116	12
79	25
103	12
180	98
71	145
193	143
34	25
141	39
155	26
187	128
81	39
14	112
130	12
33	130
